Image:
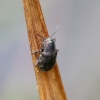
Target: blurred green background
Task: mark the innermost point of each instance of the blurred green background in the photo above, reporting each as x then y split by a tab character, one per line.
78	41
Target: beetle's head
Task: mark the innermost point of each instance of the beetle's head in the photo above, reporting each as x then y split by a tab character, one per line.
49	43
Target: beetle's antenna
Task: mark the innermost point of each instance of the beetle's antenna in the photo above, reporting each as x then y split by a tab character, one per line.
41	36
55	31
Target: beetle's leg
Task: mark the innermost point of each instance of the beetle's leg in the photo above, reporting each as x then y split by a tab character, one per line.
37	62
57	50
37	65
37	51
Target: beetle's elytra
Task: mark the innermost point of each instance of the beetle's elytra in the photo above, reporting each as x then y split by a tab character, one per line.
48	53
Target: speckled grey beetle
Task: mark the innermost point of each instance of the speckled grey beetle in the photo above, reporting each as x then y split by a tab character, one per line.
48	54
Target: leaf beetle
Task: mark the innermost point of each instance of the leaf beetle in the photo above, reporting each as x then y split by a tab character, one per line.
48	53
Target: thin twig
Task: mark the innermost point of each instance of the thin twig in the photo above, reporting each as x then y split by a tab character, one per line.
49	83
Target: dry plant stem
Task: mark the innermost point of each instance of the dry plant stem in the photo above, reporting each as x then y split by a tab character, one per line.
49	83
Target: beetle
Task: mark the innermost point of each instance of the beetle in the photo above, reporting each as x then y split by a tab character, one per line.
48	53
